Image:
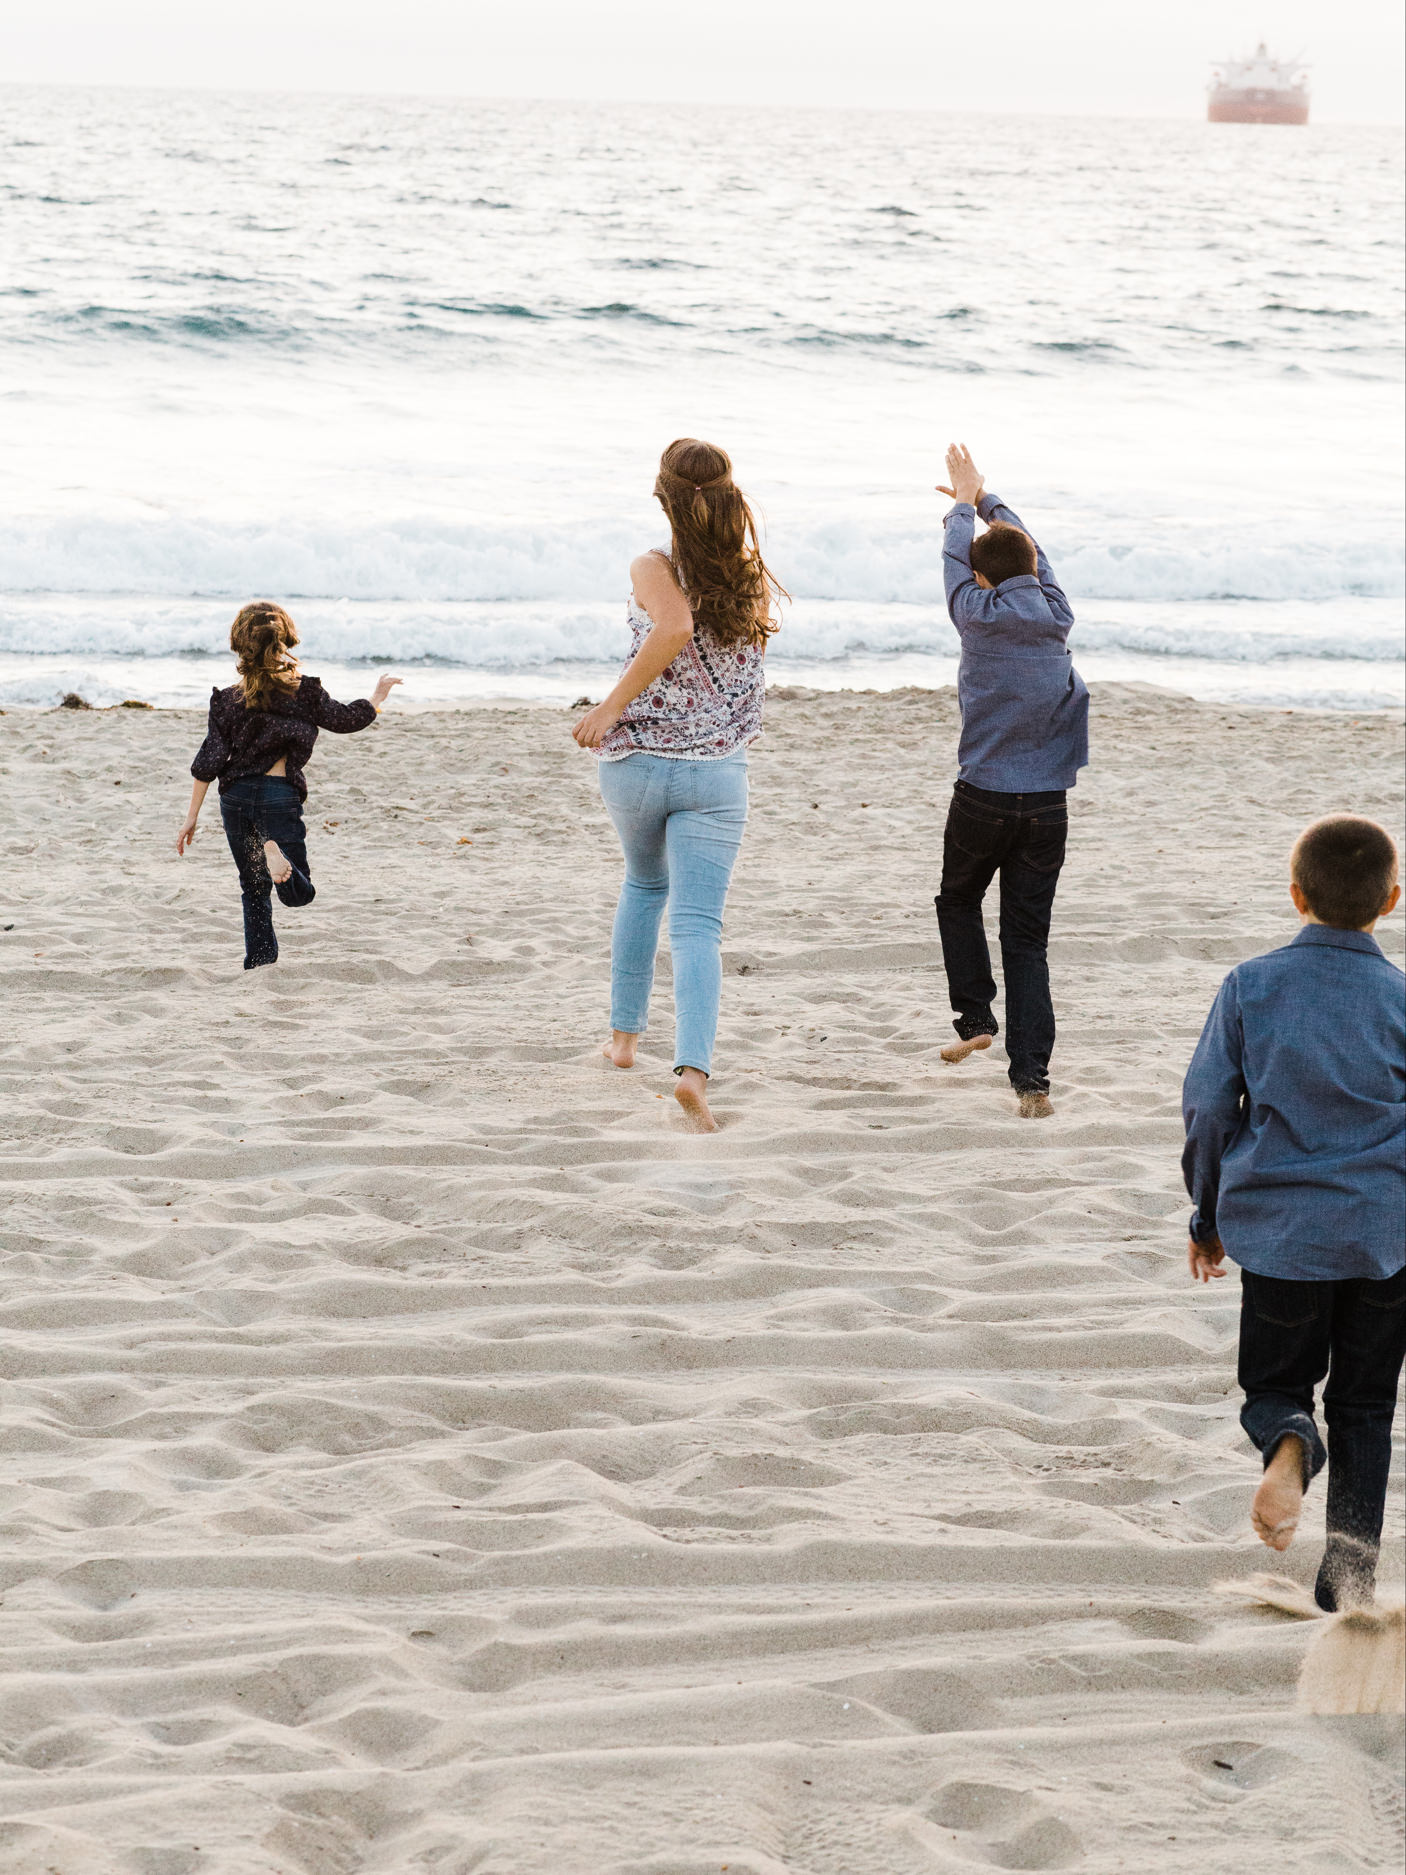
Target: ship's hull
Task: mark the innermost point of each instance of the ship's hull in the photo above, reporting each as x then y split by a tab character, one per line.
1257	107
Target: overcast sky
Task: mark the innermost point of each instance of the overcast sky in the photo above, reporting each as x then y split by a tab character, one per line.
1125	57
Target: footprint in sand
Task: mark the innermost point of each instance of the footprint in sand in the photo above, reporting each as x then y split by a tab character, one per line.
1237	1766
1003	1827
1163	1624
102	1583
930	1699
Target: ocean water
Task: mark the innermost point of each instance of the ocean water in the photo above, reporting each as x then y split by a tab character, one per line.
407	365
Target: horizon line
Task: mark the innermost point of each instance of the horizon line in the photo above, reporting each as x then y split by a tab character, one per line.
673	103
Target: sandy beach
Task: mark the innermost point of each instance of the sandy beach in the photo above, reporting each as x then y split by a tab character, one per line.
420	1456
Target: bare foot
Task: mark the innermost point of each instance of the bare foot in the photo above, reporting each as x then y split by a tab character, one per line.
691	1092
278	862
1275	1511
620	1048
958	1051
1035	1106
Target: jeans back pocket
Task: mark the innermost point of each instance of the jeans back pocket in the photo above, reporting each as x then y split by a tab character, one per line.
1043	840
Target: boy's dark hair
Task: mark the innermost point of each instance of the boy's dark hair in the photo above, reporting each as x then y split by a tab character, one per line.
1345	867
1002	552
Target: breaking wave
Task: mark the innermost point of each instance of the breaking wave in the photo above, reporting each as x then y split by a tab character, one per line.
442	562
523	635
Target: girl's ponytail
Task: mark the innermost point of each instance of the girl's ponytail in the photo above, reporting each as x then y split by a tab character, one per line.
715	553
262	638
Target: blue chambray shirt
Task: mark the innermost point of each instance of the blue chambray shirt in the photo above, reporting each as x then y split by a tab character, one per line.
1295	1109
1025	709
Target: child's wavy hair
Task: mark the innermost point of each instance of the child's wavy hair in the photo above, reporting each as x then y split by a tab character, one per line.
715	553
262	638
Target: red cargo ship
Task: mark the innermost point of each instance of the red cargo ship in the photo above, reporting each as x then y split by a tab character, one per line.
1259	90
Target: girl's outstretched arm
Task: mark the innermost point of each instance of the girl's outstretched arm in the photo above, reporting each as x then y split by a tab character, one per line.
198	791
344	719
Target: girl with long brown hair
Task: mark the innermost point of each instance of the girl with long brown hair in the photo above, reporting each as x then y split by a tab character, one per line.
261	731
672	738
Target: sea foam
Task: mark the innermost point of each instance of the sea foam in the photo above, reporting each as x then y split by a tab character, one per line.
585	561
530	634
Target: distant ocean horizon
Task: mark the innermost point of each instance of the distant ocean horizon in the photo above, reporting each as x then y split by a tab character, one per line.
407	364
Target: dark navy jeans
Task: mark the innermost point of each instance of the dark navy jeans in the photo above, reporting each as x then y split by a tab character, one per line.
1354	1331
255	809
1021	837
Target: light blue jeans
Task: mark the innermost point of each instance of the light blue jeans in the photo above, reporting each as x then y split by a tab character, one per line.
680	825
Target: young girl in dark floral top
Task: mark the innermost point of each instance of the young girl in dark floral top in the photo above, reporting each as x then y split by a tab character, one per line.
262	730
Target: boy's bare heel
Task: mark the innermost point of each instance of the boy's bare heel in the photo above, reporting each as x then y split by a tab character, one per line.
279	865
958	1051
1035	1106
1279	1500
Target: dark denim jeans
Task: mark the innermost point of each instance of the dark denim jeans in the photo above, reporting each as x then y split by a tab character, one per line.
1354	1331
1021	836
255	809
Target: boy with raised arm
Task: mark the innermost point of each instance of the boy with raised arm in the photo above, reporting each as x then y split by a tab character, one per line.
1295	1107
1025	736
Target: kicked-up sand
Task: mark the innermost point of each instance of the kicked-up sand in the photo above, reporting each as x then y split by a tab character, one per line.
421	1456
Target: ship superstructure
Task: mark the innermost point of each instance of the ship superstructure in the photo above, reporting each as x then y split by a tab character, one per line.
1258	90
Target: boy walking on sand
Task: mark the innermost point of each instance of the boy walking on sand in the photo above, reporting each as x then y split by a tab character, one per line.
1295	1107
1025	736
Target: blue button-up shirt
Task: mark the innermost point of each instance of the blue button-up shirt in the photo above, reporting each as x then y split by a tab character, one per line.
1295	1109
1025	709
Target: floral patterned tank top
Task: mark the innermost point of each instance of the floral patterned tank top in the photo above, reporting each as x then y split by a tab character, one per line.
704	706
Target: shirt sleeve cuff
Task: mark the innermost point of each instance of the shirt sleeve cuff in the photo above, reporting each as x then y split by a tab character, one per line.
958	507
988	504
1201	1229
